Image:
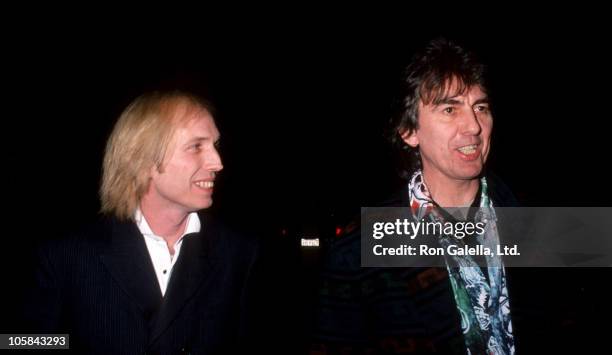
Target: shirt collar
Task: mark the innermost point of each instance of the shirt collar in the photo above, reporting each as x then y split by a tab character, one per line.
193	225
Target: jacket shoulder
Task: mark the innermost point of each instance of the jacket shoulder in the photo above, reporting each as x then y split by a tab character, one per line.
227	240
500	193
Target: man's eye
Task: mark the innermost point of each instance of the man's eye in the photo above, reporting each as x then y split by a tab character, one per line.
482	108
449	110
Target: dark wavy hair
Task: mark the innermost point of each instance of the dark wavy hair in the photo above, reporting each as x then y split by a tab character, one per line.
428	78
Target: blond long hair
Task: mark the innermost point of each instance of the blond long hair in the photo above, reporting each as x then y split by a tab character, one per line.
139	142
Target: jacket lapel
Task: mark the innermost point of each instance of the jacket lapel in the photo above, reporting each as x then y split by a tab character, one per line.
192	269
128	261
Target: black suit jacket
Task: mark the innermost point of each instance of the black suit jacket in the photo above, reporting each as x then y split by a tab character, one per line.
100	287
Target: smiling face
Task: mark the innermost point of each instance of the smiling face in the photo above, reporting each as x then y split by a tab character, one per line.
185	180
453	135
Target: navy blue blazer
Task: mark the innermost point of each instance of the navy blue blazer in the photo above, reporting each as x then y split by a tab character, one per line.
100	287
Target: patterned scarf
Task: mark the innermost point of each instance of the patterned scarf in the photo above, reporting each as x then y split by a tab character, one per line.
483	304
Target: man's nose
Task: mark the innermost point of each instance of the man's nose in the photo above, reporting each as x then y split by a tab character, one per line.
470	123
213	161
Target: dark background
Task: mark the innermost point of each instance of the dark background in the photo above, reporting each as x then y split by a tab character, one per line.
301	106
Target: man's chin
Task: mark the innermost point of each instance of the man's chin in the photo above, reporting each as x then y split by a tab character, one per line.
469	174
202	205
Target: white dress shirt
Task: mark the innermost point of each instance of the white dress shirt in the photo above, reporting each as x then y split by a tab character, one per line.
163	261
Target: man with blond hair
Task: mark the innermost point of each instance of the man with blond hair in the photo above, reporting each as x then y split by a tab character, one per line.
153	275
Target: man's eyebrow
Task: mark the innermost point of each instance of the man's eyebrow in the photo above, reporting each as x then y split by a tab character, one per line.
203	139
447	101
200	139
482	100
453	101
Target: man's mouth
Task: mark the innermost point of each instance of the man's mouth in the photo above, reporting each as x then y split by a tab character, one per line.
468	149
205	184
469	152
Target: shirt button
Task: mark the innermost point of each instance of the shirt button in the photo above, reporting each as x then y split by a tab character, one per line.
165	271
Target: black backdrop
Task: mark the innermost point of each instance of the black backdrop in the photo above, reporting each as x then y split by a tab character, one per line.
301	109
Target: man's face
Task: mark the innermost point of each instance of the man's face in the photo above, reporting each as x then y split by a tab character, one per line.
186	179
453	136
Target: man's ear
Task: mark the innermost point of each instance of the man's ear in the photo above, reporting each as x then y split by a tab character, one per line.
410	138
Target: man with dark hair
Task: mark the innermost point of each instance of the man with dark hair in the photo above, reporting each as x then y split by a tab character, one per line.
434	77
443	129
446	123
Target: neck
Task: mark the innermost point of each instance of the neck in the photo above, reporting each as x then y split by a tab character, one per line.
164	222
451	192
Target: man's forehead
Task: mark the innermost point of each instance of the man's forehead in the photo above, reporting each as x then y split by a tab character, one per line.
455	92
199	124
